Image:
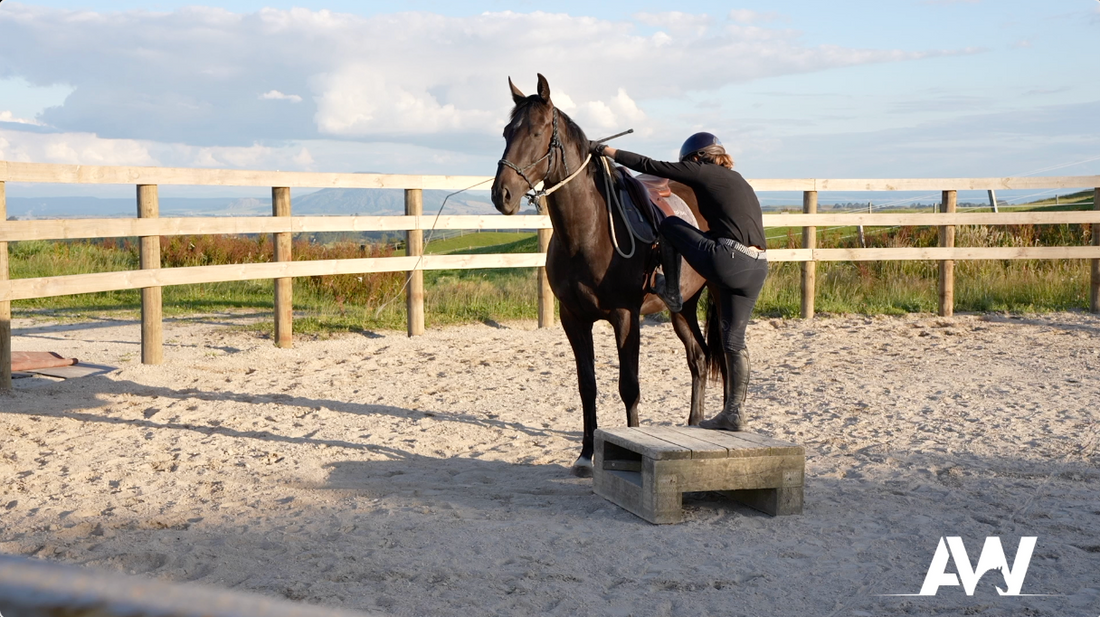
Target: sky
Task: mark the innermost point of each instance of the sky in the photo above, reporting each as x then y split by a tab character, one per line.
795	89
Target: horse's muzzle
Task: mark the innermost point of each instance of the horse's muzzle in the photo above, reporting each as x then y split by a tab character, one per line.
505	201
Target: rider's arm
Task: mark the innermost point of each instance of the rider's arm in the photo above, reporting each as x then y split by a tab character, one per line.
685	172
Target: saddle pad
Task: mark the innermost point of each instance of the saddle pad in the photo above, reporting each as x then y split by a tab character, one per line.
638	223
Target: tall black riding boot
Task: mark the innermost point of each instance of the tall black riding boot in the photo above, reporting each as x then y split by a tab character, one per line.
668	285
737	387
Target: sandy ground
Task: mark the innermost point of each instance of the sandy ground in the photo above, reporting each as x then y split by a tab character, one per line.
429	476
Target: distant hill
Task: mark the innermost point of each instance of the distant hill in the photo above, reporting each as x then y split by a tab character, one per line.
340	202
388	201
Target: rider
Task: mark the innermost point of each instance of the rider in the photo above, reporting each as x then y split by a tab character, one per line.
731	256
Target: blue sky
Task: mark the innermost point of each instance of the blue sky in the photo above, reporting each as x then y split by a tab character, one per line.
907	88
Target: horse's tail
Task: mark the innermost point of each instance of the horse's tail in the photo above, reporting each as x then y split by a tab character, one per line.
715	357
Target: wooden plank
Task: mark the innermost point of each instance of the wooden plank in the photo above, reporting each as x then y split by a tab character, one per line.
937	253
414	279
152	308
774	446
67	229
895	219
662	495
809	268
790	255
94	174
635	440
284	287
735	473
743	444
621	488
957	184
782	184
44	287
1094	265
946	281
5	305
542	281
699	448
736	447
617	465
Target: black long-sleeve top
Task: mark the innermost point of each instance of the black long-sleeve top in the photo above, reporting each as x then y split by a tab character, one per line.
726	200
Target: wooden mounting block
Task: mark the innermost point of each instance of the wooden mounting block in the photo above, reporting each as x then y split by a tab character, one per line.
647	470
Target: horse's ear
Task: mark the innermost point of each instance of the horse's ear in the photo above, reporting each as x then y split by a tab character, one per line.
517	96
544	89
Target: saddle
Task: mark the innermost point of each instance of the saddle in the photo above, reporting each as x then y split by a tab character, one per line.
640	196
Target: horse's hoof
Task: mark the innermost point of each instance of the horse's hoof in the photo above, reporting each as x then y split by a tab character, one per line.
582	468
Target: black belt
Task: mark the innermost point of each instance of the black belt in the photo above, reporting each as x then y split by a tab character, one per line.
751	251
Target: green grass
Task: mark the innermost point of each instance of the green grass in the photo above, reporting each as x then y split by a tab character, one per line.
468	243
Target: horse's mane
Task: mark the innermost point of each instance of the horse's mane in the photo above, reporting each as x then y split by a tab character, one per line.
571	129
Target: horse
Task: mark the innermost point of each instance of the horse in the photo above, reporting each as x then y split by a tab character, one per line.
590	278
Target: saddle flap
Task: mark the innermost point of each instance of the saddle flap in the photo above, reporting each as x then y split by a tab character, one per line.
637	209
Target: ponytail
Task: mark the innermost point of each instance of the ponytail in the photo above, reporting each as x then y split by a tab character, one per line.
715	154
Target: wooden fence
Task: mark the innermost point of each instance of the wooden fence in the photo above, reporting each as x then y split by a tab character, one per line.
149	227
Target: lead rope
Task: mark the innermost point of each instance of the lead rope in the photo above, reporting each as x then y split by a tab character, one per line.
420	259
613	198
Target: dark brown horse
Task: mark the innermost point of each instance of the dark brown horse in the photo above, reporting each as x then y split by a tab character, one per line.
590	278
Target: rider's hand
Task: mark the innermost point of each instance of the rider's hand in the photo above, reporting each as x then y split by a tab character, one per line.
596	148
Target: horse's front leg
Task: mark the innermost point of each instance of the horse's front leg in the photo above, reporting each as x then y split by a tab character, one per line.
579	333
686	326
628	340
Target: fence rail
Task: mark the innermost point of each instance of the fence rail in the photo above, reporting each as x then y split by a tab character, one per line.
149	227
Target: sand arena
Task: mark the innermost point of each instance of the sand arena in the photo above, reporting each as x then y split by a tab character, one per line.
429	476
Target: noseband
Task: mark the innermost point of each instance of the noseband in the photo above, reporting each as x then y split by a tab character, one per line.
555	144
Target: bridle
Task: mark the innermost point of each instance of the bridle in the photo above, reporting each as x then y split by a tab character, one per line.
555	144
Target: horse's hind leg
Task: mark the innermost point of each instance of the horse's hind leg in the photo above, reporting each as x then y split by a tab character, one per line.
628	340
686	325
579	333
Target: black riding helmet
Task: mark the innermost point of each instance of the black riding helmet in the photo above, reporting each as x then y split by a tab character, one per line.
696	143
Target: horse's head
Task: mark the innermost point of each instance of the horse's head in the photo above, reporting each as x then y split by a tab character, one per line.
532	142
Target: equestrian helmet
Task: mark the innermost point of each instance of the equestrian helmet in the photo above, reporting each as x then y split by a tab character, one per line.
696	143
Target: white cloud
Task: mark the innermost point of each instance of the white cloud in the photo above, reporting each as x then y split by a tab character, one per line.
746	16
7	116
675	21
72	149
616	114
275	95
192	75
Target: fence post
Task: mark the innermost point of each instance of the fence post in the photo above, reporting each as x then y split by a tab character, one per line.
947	266
284	287
152	309
1094	295
5	305
414	246
809	268
546	295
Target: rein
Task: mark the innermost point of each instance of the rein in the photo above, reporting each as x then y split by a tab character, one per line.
535	195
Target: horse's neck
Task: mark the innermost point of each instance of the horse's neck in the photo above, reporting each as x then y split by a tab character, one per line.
579	215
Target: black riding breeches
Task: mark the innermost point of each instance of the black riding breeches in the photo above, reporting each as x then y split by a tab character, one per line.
738	276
